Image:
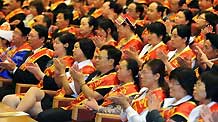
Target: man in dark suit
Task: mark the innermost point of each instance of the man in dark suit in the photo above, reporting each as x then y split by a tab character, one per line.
39	55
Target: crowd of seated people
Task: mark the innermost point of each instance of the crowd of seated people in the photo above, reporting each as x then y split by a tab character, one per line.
141	60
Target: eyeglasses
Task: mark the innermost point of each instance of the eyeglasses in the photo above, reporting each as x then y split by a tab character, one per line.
174	82
32	36
100	57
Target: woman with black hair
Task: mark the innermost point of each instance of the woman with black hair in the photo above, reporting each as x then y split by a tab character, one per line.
56	76
127	74
128	38
152	82
155	35
106	34
183	16
209	51
205	22
179	107
180	35
205	92
63	46
88	25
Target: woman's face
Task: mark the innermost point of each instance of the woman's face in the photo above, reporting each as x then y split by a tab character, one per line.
201	21
180	18
84	26
177	41
101	37
59	49
146	76
208	50
123	72
199	91
176	90
101	33
152	38
77	52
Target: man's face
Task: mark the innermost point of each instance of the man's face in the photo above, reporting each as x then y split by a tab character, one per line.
17	37
38	20
101	60
33	38
204	4
10	5
152	11
60	21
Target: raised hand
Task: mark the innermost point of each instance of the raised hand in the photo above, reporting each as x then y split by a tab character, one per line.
206	114
153	102
131	53
76	74
92	104
59	66
201	56
162	56
121	100
208	29
185	62
8	64
35	70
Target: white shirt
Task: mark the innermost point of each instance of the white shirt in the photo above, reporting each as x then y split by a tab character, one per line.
133	116
130	113
80	65
145	49
195	113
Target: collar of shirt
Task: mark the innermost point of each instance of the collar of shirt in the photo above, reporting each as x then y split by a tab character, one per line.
170	101
195	113
36	50
84	63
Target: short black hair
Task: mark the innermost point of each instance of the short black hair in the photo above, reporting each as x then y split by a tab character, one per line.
211	18
186	78
87	46
116	7
210	78
160	7
113	53
42	31
139	8
188	15
20	16
67	15
184	31
158	28
67	38
213	38
38	5
93	22
106	24
47	20
181	2
132	65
